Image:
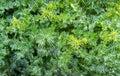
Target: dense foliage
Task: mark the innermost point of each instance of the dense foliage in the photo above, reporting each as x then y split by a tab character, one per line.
59	37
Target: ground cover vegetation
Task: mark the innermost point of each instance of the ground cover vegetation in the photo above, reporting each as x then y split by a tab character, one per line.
59	37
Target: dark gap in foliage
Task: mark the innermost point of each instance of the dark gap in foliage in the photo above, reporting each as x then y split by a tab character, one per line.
26	6
35	46
16	73
91	11
36	12
88	47
69	29
46	59
35	52
9	12
104	7
97	29
19	68
99	40
13	34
